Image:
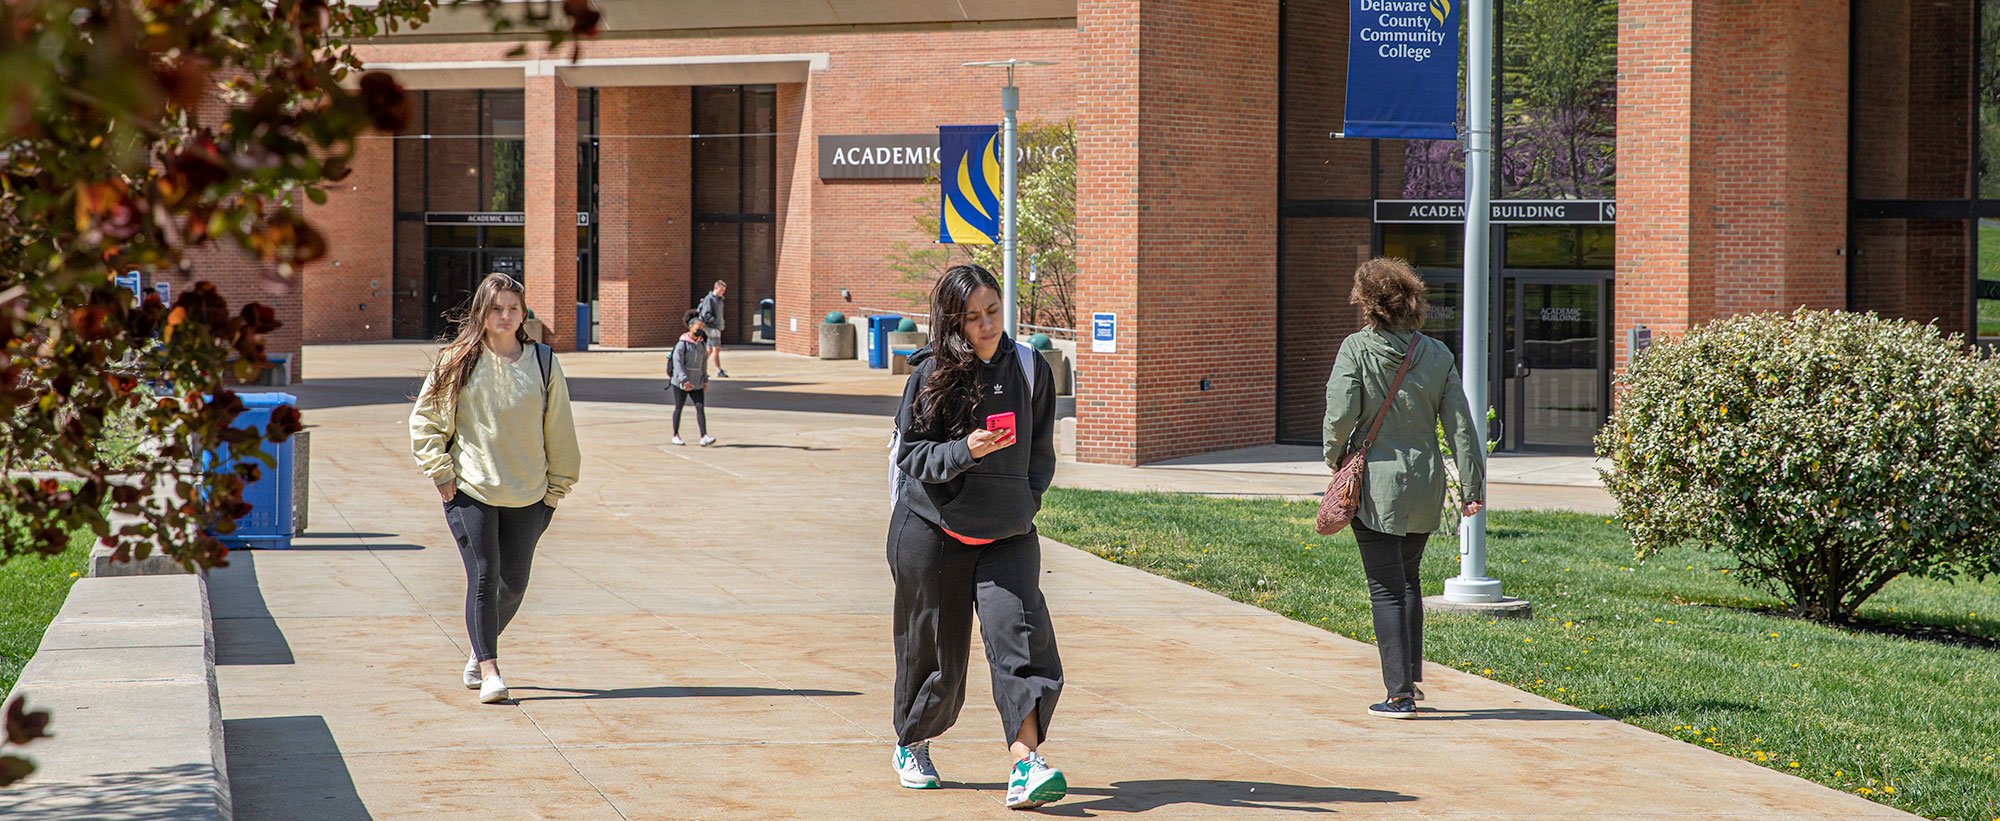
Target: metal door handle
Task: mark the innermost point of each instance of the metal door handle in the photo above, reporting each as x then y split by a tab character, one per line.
1521	368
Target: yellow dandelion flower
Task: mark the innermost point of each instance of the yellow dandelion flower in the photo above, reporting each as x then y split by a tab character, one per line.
1795	765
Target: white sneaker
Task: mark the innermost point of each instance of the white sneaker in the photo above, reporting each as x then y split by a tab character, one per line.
1034	783
493	691
472	680
707	440
678	440
914	768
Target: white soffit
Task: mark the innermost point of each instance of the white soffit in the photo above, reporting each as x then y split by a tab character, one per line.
745	69
636	17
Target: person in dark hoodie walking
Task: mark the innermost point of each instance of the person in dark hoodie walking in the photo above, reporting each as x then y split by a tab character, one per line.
975	452
687	378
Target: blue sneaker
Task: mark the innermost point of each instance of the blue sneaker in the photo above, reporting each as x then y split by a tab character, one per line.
914	768
1034	783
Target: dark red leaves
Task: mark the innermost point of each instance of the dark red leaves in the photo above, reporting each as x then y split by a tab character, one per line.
24	726
583	17
285	421
260	318
388	107
182	81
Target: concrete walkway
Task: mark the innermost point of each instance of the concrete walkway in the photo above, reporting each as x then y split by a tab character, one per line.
706	636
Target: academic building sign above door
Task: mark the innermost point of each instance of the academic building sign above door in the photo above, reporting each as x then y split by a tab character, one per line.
877	156
1573	212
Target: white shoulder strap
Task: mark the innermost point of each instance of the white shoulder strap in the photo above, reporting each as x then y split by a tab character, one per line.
1024	351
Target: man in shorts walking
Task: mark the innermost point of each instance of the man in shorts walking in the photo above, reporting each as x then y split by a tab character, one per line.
710	312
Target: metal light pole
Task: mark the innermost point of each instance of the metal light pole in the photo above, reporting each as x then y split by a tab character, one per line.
1472	584
1010	102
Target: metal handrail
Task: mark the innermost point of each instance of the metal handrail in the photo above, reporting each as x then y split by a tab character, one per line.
1050	330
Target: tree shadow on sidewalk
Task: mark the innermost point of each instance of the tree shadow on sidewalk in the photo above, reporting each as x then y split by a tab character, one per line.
1153	794
669	692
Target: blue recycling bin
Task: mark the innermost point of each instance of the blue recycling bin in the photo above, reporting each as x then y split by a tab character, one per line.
269	524
583	326
879	328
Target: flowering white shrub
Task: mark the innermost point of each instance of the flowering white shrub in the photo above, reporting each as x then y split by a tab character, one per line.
1828	452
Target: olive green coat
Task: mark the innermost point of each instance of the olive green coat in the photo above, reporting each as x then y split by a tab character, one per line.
1405	487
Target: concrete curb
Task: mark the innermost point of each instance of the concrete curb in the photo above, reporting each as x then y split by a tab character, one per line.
127	673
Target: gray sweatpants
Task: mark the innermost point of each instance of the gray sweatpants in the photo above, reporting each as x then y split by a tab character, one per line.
939	582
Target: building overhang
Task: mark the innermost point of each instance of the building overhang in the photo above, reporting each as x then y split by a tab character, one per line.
720	18
738	69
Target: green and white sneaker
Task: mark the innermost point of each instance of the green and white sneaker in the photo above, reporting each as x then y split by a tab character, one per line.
1034	783
914	768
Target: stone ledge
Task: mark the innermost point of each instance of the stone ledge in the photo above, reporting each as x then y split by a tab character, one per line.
127	673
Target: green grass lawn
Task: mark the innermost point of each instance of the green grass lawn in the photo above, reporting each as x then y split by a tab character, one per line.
31	591
1989	268
1673	644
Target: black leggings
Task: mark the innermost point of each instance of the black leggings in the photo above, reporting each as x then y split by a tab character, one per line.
700	397
497	545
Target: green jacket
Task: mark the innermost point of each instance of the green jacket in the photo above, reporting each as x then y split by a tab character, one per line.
1404	491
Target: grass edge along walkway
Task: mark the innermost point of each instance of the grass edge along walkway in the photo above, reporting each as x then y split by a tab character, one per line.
1673	645
32	590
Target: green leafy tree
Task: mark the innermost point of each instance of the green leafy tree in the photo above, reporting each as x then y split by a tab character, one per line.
1828	452
112	159
1045	219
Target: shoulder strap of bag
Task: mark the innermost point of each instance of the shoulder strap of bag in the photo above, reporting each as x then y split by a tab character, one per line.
545	356
1024	351
1409	354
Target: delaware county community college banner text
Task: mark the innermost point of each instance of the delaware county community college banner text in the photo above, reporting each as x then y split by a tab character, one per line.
1402	69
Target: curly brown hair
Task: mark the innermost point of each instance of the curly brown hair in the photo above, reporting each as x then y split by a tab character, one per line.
1390	294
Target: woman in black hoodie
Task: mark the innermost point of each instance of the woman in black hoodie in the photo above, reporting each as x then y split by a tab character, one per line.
962	535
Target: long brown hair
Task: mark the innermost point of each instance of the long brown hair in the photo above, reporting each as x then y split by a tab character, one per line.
1390	294
950	397
461	353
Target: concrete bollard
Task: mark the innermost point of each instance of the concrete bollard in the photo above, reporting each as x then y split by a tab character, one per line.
836	341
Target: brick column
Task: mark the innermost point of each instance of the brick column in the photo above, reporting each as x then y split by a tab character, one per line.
644	208
1177	206
550	183
348	294
798	298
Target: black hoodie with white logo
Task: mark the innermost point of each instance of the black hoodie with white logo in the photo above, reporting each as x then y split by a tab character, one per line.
996	496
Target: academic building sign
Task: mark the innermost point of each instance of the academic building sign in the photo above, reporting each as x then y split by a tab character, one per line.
1572	212
877	156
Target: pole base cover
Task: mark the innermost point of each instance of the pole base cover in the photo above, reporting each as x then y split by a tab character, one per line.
1461	589
1505	608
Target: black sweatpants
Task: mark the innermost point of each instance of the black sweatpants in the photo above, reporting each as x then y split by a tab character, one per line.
1396	598
700	398
939	582
497	545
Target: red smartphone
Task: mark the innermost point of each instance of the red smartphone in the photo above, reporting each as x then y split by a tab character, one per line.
1001	421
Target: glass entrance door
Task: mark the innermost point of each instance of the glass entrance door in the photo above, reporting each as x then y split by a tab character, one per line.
1556	359
449	277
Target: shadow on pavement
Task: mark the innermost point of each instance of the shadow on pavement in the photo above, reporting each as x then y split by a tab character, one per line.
288	767
309	547
245	632
326	394
181	791
578	694
1152	794
1507	714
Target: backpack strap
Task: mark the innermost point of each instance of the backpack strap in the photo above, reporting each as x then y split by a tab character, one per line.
1023	351
545	356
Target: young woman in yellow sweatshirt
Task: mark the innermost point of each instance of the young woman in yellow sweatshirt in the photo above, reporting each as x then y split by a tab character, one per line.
492	430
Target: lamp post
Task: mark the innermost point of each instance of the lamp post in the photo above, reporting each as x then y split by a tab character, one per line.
1010	102
1472	588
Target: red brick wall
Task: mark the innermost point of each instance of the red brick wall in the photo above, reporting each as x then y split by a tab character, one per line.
644	215
797	174
1178	207
550	183
347	295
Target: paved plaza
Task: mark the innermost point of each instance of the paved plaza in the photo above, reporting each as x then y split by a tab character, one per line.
707	636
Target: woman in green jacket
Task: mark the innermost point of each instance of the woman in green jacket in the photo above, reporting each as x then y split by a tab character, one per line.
1402	499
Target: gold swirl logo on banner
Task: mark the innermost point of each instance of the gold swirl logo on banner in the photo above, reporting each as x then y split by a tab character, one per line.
971	201
1441	9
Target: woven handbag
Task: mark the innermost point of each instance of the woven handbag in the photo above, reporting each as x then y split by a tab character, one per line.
1343	492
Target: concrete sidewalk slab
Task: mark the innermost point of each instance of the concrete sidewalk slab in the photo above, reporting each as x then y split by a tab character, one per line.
707	636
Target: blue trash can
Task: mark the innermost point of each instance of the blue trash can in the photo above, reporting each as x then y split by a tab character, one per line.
269	524
879	328
583	326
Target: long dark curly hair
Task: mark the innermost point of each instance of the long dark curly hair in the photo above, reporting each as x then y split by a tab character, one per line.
950	397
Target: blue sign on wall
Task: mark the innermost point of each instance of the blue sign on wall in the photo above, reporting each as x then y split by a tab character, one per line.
1402	69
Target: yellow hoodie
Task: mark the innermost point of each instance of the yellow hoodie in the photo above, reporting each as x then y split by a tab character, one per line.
508	452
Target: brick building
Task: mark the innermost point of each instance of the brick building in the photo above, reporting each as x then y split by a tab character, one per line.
1704	158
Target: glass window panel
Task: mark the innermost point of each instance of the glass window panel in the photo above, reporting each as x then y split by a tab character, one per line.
1563	247
717	159
1423	170
505	174
503	113
1989	105
1558	99
454	162
506	236
1318	166
1425	246
1913	119
452	236
1914	269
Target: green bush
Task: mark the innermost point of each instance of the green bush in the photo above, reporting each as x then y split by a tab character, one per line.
1828	452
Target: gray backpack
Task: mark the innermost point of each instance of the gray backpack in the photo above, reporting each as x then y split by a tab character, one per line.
1022	352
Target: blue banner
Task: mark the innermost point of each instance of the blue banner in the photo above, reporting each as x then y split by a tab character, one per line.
1402	69
969	183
